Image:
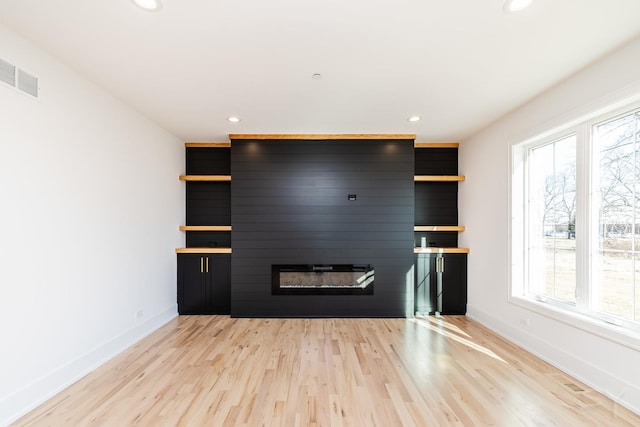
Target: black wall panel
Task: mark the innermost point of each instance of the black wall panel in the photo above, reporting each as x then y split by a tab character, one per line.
436	203
208	203
291	205
441	239
208	239
208	161
440	161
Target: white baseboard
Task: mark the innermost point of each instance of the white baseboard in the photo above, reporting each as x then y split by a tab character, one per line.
29	397
620	391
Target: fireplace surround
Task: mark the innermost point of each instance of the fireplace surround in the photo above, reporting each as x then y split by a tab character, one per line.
321	202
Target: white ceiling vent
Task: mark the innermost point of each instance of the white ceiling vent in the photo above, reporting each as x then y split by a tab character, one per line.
15	77
7	73
28	83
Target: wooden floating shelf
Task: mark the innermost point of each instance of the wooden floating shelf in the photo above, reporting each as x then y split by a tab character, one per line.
205	177
441	250
442	178
438	228
207	144
436	145
322	136
205	228
203	250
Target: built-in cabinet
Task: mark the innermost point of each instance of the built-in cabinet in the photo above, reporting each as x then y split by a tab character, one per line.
204	285
440	265
441	283
204	264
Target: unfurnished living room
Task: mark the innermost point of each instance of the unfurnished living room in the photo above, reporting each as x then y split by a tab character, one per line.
287	213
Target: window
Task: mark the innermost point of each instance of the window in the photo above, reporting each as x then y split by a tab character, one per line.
552	219
576	219
616	203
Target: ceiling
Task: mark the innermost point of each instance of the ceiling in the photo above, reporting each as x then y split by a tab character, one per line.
460	65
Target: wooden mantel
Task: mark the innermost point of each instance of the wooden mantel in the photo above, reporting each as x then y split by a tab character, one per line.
322	136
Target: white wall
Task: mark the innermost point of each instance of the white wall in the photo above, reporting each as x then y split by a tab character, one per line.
603	363
90	203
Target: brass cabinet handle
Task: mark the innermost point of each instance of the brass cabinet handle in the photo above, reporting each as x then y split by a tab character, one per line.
207	265
201	265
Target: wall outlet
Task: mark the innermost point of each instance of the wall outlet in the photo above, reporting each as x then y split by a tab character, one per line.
138	315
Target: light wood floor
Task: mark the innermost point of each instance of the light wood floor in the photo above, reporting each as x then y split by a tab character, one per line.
218	371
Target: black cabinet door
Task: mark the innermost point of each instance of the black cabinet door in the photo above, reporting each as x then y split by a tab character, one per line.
203	284
425	284
218	272
453	270
441	283
192	284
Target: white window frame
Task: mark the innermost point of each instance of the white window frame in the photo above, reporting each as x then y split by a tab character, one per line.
529	147
580	314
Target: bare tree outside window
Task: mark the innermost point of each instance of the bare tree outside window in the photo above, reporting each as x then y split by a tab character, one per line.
616	287
576	218
552	206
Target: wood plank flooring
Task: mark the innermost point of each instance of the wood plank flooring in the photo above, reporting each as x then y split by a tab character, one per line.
219	371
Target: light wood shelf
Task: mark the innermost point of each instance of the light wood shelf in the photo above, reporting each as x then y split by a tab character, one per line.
205	228
441	250
436	145
322	136
207	144
439	228
441	178
205	177
203	250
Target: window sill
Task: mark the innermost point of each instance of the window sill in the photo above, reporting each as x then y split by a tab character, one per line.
600	328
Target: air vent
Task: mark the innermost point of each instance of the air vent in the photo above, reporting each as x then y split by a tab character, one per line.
28	83
15	77
7	73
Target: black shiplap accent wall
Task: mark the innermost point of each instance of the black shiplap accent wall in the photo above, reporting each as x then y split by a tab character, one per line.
208	202
208	161
441	239
208	239
440	161
290	206
436	203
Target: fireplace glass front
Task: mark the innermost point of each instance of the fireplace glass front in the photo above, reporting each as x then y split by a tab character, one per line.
322	279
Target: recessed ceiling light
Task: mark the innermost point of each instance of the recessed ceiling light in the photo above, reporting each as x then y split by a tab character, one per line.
512	6
148	5
316	76
233	119
414	118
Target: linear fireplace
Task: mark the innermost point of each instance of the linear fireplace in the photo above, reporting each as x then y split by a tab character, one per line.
322	279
